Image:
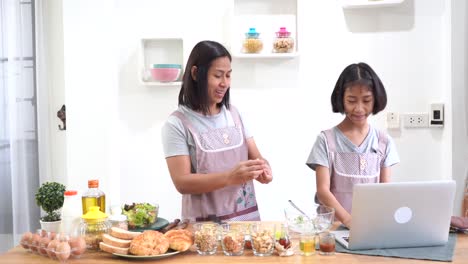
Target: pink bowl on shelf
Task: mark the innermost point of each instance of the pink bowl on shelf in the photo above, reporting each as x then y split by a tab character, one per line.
165	72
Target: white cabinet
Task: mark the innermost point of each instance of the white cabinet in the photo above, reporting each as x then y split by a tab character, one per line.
348	4
267	16
160	51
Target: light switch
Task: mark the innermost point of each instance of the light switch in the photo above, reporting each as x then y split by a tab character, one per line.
437	115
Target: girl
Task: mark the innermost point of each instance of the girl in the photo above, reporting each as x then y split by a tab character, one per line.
211	156
353	151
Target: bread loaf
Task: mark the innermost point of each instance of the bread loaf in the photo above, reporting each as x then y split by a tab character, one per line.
180	239
111	249
123	234
116	242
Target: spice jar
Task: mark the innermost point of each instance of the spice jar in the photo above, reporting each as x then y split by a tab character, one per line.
283	42
119	221
252	42
95	224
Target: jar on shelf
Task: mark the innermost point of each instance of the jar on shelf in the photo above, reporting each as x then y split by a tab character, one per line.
252	42
95	224
283	42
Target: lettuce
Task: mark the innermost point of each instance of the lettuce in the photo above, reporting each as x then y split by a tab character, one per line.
140	215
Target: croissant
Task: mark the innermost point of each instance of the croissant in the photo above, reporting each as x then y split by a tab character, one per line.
150	243
179	239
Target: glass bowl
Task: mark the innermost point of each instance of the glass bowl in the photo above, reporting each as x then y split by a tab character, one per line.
317	220
141	215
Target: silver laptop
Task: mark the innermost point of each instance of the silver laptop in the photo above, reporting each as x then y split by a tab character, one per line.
399	214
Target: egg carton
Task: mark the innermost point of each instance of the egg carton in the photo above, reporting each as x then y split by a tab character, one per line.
59	247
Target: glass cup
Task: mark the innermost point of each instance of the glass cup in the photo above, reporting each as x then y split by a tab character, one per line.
327	243
307	243
206	238
324	218
233	239
263	239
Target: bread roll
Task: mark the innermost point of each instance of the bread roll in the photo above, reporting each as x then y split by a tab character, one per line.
150	243
116	242
180	239
111	249
123	234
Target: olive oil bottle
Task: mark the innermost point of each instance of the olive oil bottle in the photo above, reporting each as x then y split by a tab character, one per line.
93	197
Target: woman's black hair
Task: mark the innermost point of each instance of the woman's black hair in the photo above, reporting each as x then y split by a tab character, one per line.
362	74
194	93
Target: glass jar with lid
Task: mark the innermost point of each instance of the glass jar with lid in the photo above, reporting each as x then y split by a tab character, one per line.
252	42
283	42
95	224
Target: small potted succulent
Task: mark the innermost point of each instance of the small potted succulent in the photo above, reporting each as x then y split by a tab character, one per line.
50	198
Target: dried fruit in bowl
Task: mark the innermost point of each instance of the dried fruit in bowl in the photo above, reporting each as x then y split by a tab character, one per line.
140	215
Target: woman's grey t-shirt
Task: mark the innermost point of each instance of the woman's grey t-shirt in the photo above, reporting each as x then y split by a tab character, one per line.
319	152
177	140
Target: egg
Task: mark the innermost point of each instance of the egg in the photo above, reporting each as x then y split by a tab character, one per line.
43	232
26	240
78	246
43	243
36	238
52	235
51	248
62	250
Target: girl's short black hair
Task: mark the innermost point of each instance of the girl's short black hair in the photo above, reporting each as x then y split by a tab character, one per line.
363	74
194	93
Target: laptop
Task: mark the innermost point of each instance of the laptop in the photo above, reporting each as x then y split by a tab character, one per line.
399	214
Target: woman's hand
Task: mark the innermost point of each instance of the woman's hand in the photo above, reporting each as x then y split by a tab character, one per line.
267	175
246	171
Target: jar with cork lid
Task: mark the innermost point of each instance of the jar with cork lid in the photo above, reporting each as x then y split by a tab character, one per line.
252	42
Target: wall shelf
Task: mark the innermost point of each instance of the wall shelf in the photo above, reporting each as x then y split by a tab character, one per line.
152	83
267	16
159	51
266	56
349	4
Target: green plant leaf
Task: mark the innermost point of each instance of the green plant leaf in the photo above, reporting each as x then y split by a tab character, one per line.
50	198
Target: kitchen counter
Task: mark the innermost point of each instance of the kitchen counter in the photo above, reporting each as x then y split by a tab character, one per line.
18	255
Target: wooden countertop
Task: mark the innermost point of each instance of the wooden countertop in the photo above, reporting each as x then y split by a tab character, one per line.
18	255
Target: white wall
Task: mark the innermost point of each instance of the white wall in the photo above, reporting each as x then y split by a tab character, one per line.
114	122
460	95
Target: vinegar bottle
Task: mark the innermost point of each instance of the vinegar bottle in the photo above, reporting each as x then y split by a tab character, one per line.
71	213
93	197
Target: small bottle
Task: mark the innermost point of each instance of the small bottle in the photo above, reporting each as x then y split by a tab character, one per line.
252	42
283	42
93	197
284	239
71	213
465	199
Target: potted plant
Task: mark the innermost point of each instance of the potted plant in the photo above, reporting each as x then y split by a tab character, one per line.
50	198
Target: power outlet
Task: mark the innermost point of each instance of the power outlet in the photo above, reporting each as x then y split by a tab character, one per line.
393	120
416	120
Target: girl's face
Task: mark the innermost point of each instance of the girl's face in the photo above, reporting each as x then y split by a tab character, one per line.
358	103
219	80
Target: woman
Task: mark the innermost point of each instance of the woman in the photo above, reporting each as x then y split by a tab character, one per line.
211	156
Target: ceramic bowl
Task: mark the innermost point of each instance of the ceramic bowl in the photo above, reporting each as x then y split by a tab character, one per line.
165	72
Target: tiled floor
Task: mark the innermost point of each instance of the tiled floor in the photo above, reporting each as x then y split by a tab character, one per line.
6	242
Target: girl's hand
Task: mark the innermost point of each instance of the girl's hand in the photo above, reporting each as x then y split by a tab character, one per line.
246	171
